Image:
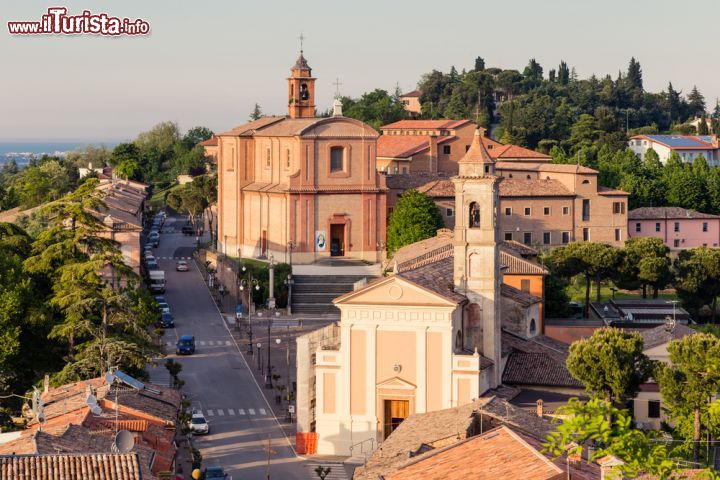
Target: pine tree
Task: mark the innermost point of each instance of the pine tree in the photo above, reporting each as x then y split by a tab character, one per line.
256	113
703	126
563	73
479	64
696	102
634	75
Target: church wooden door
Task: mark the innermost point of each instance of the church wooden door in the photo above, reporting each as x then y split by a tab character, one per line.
337	240
395	412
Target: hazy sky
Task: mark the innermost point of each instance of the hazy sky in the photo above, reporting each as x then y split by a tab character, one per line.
207	63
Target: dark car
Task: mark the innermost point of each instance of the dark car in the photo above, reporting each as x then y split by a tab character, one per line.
215	472
186	345
152	265
188	230
167	320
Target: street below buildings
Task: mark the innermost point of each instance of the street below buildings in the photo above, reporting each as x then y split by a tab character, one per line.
244	434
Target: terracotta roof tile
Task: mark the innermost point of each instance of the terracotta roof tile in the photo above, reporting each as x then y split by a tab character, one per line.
544	167
436	277
516	187
517	152
654	213
498	453
413	93
429	124
87	466
611	191
250	127
403	146
536	361
518	296
210	142
652	337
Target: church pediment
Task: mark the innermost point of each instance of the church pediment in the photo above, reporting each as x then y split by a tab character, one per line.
396	383
394	290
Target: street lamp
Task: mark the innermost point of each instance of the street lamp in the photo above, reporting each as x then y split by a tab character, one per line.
289	282
249	284
290	246
287	364
268	374
259	357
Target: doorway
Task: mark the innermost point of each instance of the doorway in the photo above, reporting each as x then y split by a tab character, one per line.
395	412
337	240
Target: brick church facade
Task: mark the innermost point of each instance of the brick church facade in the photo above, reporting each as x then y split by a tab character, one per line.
298	187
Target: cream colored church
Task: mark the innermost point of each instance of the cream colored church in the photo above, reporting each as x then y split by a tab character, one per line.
427	337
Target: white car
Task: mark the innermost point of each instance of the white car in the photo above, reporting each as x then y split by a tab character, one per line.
182	266
198	424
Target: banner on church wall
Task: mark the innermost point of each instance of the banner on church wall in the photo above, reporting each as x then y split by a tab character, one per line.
320	240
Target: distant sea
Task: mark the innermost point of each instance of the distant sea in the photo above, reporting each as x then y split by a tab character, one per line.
23	152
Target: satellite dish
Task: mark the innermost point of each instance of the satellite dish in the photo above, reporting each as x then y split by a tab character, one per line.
124	441
96	410
91	400
109	378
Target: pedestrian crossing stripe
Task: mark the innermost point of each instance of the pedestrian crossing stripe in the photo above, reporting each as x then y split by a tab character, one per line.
241	411
202	344
220	412
251	411
262	411
210	413
231	411
227	342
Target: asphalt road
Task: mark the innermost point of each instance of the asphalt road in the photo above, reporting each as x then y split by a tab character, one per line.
217	379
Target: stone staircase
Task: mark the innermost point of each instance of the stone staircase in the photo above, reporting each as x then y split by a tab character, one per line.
313	294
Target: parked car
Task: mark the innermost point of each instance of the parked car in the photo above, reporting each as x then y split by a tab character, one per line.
167	320
577	309
188	230
160	299
186	345
198	424
152	265
153	239
164	307
182	266
215	473
150	258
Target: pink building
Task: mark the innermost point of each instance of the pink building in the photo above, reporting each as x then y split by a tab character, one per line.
678	227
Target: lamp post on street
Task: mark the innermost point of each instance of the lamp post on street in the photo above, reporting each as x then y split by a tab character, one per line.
271	306
289	282
248	284
259	357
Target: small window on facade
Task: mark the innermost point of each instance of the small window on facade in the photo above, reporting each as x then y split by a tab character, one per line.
546	210
676	243
565	238
508	211
618	207
268	157
657	226
449	212
638	227
510	176
677	226
287	158
467	147
546	238
586	234
528	211
527	238
474	219
586	209
654	409
404	170
446	149
533	327
508	236
705	227
487	168
566	210
618	236
336	159
525	285
528	177
586	182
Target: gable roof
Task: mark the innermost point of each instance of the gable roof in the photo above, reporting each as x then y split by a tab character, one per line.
517	187
544	167
442	295
210	142
498	453
655	213
681	142
310	127
425	124
85	466
412	93
516	152
653	337
403	146
536	361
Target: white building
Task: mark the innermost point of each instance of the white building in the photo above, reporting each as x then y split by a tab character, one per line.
687	146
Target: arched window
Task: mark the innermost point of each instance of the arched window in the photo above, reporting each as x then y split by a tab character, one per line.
528	177
533	327
287	158
304	92
586	182
474	215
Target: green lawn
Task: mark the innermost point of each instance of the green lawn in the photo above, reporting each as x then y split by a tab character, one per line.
158	197
576	292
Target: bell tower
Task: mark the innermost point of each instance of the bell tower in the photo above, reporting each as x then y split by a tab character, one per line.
476	245
301	90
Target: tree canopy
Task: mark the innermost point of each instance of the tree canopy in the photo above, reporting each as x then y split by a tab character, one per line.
416	217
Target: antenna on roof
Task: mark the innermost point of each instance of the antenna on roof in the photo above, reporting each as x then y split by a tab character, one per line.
124	442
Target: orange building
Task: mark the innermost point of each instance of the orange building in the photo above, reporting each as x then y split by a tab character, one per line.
411	102
300	184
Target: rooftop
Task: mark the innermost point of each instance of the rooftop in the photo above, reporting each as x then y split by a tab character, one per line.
675	213
536	361
413	93
425	124
702	142
86	466
403	146
544	167
662	334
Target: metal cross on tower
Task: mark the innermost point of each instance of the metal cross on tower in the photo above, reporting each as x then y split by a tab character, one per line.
301	38
337	84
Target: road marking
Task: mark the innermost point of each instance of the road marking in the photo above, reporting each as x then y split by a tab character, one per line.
221	412
251	411
231	411
202	344
262	411
227	343
169	344
241	411
210	413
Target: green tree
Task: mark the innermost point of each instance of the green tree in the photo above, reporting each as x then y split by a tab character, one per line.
196	135
611	364
703	126
644	261
479	64
256	113
375	108
611	430
124	152
594	261
187	199
697	279
696	102
416	217
128	169
689	381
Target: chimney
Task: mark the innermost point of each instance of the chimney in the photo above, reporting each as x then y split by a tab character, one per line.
46	383
539	408
433	154
483	131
